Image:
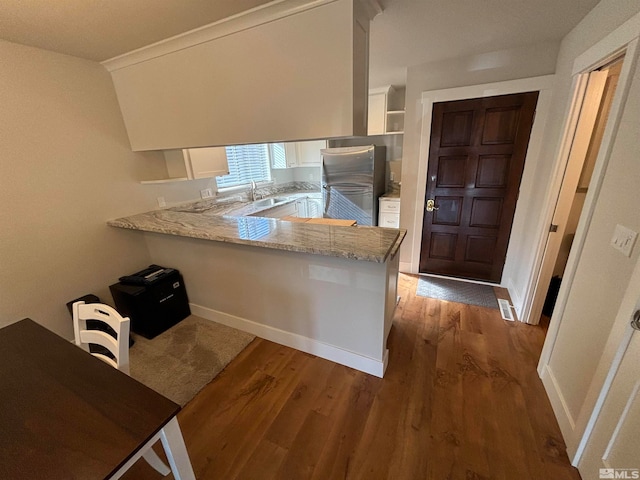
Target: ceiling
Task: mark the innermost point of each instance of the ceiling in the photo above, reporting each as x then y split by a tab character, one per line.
413	32
409	32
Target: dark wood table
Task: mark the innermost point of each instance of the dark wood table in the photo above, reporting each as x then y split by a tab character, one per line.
65	414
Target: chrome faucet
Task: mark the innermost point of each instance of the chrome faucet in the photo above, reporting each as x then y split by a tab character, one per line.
254	197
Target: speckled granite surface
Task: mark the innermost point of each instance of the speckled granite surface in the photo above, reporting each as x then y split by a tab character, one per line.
224	221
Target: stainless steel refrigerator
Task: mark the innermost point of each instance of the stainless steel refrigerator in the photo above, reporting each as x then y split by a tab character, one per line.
352	181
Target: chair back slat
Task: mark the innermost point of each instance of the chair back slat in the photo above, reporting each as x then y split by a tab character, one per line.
105	359
119	347
98	337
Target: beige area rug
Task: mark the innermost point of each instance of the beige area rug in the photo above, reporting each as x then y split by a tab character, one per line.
181	361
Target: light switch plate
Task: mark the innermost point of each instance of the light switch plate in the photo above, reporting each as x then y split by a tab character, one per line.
206	193
161	202
623	239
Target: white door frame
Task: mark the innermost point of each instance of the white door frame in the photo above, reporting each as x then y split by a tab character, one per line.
582	116
622	40
543	84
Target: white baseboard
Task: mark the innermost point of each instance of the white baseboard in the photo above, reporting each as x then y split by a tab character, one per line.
516	300
299	342
560	409
405	267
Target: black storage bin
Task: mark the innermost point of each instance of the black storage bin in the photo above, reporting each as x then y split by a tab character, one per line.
552	296
155	299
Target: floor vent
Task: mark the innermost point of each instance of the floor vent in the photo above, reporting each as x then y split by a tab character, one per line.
505	310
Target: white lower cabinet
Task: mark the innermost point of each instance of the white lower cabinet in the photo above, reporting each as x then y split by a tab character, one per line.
309	207
279	212
389	212
301	207
314	208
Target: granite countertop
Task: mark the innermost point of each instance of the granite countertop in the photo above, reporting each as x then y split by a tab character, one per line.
219	221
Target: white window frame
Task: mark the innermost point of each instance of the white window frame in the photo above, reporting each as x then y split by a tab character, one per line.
243	185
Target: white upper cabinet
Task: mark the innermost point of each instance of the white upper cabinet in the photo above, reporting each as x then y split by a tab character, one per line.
297	154
290	70
308	153
194	163
386	111
206	162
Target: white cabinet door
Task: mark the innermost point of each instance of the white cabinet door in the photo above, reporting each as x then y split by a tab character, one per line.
377	113
309	153
314	208
304	154
389	220
291	154
390	205
386	111
301	207
206	162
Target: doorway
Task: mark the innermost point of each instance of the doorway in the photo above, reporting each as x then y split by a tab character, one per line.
476	159
599	91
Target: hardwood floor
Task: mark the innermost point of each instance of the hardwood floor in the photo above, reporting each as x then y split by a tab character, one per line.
461	399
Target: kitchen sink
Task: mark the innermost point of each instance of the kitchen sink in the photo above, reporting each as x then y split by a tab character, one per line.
267	202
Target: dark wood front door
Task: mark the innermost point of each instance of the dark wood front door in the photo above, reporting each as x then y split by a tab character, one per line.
476	158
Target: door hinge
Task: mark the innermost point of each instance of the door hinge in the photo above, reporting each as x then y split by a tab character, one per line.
534	117
553	228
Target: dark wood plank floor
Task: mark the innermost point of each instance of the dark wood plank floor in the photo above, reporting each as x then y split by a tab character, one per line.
461	399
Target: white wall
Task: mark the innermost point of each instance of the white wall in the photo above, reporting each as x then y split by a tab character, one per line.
65	169
490	67
602	273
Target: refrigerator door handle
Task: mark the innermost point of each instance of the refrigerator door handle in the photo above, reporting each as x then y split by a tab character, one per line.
349	187
327	200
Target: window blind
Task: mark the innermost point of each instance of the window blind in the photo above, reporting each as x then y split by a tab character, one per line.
246	163
278	155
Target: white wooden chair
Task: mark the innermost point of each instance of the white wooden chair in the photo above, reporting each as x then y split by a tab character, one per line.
118	347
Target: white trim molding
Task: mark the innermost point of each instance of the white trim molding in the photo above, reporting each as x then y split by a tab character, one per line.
624	84
299	342
251	18
544	84
566	422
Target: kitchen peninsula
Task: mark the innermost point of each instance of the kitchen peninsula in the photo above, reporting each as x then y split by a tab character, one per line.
323	289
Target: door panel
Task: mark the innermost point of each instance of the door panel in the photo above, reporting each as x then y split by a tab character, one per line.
476	159
614	442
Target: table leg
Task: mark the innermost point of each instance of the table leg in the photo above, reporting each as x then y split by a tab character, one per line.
176	451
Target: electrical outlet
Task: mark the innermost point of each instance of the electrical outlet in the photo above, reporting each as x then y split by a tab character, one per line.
161	202
206	193
623	239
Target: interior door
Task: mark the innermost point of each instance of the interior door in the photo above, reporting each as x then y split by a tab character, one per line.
613	448
476	159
